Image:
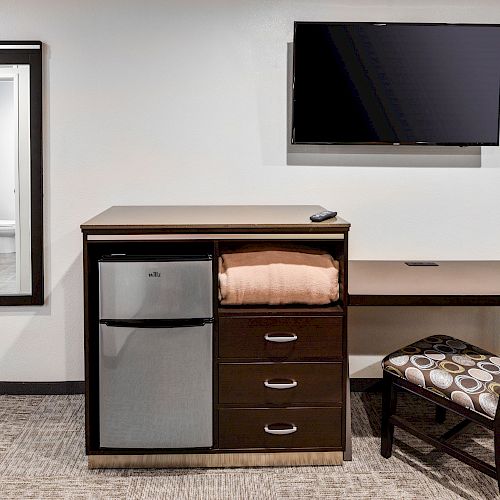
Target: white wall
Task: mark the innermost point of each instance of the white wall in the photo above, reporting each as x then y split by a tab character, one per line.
184	102
377	331
7	151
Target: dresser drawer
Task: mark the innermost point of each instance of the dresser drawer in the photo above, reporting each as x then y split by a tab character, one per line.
264	384
280	428
286	337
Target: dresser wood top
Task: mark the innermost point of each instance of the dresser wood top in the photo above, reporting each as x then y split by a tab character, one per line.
273	218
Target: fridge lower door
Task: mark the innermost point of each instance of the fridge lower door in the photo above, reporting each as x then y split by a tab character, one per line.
155	387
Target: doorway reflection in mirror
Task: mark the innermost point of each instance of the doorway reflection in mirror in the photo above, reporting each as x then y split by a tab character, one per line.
15	248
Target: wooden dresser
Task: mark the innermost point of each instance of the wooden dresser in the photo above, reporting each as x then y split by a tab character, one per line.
279	373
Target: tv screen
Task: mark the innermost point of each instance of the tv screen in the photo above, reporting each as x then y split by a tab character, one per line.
383	83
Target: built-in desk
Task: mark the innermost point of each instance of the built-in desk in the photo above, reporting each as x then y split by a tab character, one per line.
450	283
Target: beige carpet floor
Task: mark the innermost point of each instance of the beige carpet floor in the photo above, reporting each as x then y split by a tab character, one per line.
42	456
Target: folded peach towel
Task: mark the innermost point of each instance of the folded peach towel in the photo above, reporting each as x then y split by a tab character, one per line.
278	276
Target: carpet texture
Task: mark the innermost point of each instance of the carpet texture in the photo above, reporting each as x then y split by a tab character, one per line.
42	456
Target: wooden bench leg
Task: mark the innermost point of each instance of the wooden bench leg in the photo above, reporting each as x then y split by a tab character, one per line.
389	403
496	430
440	414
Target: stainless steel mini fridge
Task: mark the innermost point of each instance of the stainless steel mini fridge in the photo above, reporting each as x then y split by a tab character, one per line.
155	351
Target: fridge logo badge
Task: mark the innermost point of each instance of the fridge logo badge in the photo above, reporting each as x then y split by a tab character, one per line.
154	274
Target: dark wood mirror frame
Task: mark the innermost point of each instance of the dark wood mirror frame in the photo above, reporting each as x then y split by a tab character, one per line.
30	52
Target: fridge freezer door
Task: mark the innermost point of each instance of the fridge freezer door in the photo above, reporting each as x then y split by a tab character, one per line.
155	387
155	289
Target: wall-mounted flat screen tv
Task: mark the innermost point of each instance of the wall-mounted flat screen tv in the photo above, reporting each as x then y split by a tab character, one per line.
393	83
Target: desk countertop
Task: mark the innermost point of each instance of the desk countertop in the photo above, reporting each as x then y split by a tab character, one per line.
273	218
449	283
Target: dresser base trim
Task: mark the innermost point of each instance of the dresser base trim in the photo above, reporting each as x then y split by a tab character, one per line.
215	460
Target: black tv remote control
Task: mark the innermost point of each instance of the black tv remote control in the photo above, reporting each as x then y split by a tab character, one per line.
321	216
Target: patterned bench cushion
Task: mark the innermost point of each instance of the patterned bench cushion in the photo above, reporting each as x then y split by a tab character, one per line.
466	374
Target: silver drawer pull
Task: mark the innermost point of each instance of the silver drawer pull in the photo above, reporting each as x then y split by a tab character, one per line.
281	385
281	432
288	338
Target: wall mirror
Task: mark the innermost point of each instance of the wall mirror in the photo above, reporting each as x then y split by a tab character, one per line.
21	198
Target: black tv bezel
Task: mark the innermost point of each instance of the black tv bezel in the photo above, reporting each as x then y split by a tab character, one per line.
383	143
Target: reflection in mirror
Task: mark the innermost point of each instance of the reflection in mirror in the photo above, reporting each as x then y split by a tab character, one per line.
15	237
21	241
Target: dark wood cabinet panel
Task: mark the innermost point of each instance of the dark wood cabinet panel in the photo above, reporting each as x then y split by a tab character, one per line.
334	309
305	348
280	337
261	428
268	384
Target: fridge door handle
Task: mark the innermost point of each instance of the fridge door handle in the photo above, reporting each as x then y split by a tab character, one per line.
123	257
155	323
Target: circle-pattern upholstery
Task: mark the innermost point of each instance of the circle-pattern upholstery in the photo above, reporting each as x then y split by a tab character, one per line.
462	372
